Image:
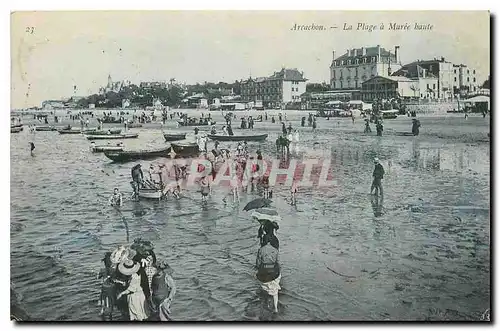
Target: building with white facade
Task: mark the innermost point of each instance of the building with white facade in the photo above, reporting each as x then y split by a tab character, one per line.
282	87
386	88
464	79
358	65
439	68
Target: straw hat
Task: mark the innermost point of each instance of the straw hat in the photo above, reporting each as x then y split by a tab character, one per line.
128	267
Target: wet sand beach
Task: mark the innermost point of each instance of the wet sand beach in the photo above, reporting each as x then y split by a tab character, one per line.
423	253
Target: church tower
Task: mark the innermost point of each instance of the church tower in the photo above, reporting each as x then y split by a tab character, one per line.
110	81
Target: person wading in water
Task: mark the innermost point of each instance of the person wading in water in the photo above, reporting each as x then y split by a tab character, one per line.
268	269
163	288
137	180
378	174
116	200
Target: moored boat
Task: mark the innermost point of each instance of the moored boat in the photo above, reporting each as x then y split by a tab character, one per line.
45	128
125	156
112	136
106	148
69	131
181	123
185	148
16	130
102	132
258	137
134	125
16	126
174	136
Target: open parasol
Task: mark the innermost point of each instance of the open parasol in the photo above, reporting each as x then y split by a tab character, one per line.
266	214
257	203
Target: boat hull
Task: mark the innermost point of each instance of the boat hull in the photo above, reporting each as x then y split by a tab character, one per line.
16	130
134	125
102	132
112	136
45	128
101	149
126	156
260	137
195	124
184	149
174	137
69	131
150	194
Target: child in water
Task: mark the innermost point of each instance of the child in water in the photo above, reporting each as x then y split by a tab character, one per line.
205	188
116	200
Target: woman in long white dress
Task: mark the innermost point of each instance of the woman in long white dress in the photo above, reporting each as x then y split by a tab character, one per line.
136	299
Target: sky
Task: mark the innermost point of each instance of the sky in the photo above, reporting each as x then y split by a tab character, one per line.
51	52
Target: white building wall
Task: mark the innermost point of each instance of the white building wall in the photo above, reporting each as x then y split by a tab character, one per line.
287	91
352	77
445	80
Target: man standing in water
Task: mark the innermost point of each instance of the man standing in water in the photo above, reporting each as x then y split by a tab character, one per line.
137	180
32	130
378	174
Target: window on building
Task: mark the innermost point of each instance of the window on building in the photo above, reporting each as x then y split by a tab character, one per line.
474	71
467	71
474	79
455	79
468	79
455	71
427	86
433	86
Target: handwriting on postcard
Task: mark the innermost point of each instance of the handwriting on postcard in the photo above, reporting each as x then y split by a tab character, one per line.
365	27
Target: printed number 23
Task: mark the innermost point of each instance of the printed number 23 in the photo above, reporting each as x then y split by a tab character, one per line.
30	29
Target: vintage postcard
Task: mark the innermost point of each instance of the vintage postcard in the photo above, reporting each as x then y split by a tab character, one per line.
250	166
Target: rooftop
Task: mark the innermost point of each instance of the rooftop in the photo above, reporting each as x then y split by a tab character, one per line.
370	51
284	74
414	70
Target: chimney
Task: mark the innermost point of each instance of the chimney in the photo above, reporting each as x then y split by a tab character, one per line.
396	53
333	54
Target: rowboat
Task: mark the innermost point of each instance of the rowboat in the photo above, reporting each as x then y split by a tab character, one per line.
45	128
125	156
70	131
181	123
150	193
259	137
404	134
16	130
185	148
134	125
112	136
16	126
110	120
106	148
174	136
102	132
